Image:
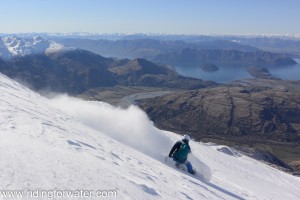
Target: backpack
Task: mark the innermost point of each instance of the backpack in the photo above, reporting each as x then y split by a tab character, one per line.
182	153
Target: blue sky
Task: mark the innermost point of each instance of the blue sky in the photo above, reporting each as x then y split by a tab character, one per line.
155	16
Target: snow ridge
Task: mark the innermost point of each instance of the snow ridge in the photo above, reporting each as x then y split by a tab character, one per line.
11	46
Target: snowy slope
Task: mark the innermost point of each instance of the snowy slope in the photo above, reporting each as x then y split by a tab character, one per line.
17	46
65	143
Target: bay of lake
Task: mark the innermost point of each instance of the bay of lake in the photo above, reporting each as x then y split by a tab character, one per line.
227	74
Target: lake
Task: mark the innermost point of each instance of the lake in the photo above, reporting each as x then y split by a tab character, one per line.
231	74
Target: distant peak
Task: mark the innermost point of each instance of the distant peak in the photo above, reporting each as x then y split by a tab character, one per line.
143	62
22	46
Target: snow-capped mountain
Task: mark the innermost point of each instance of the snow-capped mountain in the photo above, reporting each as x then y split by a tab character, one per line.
66	144
20	46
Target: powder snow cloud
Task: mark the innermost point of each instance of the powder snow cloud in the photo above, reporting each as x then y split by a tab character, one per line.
129	126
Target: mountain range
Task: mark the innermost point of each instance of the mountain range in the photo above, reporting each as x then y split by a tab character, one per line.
124	48
173	52
223	58
147	48
75	71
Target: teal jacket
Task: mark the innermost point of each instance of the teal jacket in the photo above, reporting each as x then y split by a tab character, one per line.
180	151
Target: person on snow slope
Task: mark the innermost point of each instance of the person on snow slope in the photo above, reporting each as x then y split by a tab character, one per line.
180	151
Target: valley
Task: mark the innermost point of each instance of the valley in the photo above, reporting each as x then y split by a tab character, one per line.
124	96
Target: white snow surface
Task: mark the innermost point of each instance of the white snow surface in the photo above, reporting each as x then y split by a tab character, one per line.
11	46
70	144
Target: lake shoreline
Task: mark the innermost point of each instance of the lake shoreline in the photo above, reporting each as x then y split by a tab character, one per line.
229	74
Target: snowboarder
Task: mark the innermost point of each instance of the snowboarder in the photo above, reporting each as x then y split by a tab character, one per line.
180	152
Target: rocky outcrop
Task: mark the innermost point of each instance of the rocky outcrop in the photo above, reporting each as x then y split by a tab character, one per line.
296	165
255	109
